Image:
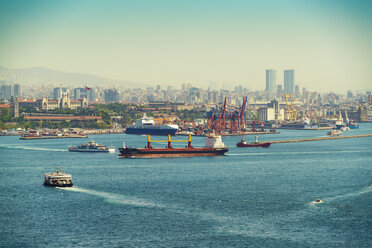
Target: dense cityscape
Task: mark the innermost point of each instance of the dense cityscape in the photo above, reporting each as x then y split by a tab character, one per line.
269	105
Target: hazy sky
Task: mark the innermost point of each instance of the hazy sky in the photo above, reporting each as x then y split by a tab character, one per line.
328	43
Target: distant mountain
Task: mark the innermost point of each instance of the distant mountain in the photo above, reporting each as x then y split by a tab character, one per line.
40	75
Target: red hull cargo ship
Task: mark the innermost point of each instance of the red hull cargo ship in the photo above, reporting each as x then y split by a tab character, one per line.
213	147
243	143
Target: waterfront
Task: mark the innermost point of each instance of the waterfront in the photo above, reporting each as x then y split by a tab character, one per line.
250	197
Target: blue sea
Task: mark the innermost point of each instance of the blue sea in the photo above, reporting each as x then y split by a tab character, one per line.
251	197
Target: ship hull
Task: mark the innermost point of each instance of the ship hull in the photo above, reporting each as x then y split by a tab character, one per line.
353	126
265	145
173	152
151	131
58	185
339	126
95	151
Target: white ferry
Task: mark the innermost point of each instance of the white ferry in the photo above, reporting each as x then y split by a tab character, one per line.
58	179
91	147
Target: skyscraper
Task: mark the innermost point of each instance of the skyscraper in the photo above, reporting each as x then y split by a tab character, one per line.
17	90
297	90
288	81
81	92
6	92
111	95
271	81
57	93
280	88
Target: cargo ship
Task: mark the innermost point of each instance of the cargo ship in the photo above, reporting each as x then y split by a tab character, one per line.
146	125
213	147
244	143
298	126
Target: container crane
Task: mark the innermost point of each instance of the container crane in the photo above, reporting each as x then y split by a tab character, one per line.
292	113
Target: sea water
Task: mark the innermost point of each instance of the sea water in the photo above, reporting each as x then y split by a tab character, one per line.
251	197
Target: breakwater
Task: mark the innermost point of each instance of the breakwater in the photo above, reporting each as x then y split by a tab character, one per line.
318	139
229	134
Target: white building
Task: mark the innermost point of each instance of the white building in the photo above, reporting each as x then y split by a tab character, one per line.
266	114
269	114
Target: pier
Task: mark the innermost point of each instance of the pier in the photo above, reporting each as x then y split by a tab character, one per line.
52	137
318	139
314	128
104	131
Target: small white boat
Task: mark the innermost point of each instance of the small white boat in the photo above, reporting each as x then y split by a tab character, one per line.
343	129
335	133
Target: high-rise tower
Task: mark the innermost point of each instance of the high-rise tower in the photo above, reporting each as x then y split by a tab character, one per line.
271	81
288	81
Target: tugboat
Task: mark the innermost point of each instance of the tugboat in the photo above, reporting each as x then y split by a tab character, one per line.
352	125
243	143
349	123
91	147
213	147
58	179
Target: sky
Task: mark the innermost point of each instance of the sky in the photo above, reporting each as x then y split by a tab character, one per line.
167	42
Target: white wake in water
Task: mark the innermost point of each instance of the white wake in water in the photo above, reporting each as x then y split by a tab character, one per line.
270	226
347	195
32	148
115	198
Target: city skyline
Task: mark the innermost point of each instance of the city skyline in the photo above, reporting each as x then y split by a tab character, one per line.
170	43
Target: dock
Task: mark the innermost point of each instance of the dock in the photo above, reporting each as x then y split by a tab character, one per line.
104	131
318	139
314	128
52	137
250	133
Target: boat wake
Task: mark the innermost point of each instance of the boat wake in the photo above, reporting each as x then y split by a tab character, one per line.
347	195
115	198
264	227
249	154
32	148
267	227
